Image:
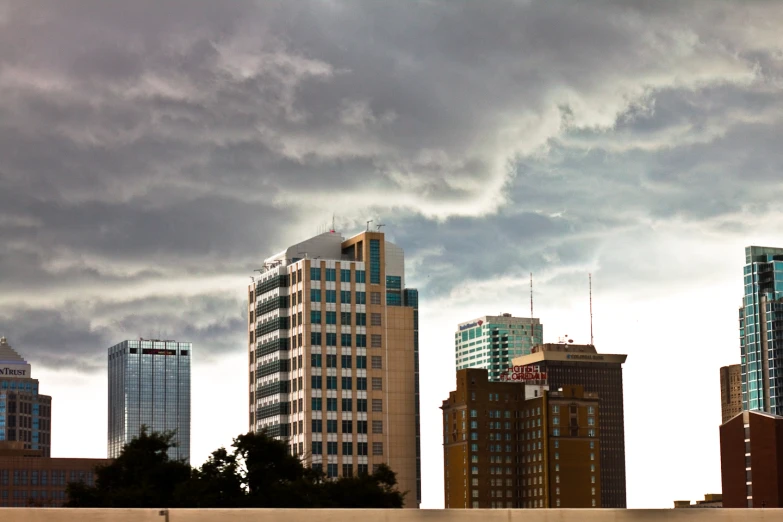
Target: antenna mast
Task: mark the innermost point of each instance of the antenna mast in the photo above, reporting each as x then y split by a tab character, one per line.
532	334
590	279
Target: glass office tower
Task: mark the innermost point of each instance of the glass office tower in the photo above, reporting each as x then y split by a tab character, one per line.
761	330
492	341
149	385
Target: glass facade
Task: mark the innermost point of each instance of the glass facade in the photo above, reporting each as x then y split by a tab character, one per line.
25	415
149	385
492	342
761	330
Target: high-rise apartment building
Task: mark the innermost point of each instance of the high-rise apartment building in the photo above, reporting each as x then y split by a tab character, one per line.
149	385
333	353
25	414
602	374
730	391
751	460
515	445
761	330
492	341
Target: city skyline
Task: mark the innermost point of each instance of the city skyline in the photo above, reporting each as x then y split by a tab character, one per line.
153	154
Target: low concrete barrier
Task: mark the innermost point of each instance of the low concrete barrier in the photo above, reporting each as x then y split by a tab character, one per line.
388	515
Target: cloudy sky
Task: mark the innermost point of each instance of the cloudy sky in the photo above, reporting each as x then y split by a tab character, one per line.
153	153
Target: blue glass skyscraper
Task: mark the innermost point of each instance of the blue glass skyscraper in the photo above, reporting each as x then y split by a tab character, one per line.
761	330
149	385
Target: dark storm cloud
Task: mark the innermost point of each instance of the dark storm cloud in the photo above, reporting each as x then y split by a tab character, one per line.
143	141
76	335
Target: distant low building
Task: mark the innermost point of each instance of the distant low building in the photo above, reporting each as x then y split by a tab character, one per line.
711	500
28	479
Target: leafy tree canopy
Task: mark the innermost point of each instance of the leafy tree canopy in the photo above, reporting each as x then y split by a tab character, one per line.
259	472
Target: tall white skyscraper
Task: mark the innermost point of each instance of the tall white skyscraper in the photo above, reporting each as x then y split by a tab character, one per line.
333	352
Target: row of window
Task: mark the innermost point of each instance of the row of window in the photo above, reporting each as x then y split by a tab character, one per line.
345	296
359	340
316	383
317	426
317	360
43	478
317	404
316	317
330	274
317	448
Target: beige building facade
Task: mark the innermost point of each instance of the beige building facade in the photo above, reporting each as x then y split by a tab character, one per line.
333	354
730	392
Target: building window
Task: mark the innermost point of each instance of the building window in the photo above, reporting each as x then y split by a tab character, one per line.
361	384
331	296
593	502
331	382
474	470
377	426
377	405
345	275
377	448
360	276
315	338
345	361
331	448
315	295
377	362
361	404
592	479
331	404
347	426
590	410
347	404
592	456
347	448
375	319
377	383
361	298
331	427
375	298
376	341
361	361
555	421
375	261
315	382
593	491
345	296
331	317
317	448
361	341
557	455
346	383
331	274
361	319
591	421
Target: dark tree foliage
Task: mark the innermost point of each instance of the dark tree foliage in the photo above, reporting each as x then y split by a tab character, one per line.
142	476
258	473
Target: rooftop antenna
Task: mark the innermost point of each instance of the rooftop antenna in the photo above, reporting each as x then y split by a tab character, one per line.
333	229
379	225
368	225
590	281
532	335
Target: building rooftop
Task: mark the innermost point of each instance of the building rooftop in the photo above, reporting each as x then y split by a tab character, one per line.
8	355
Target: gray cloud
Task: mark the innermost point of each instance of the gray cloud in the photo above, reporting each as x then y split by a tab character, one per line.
148	142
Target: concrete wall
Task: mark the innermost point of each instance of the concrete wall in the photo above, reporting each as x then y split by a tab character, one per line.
468	515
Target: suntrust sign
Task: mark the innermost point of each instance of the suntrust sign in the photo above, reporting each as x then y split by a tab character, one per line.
14	371
530	374
471	325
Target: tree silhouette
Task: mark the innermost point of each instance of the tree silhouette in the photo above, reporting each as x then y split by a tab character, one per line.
258	473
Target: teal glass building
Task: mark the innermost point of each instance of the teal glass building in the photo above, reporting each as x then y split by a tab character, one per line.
761	330
491	342
149	385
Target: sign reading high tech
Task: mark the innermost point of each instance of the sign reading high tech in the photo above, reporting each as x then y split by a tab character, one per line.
471	325
530	374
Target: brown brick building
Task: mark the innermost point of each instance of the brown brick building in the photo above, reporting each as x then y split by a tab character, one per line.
602	374
730	391
27	478
515	445
751	458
